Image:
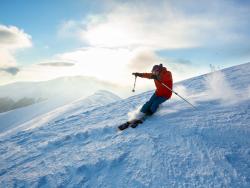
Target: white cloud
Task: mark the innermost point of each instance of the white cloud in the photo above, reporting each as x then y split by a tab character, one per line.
103	63
143	59
36	72
58	64
162	25
70	28
125	38
134	28
7	58
12	39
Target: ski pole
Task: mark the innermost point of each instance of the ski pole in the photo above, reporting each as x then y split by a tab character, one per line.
177	94
133	90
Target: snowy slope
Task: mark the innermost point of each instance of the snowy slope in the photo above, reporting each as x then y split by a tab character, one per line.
177	147
47	110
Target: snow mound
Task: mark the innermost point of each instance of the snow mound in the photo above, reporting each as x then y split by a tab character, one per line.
177	147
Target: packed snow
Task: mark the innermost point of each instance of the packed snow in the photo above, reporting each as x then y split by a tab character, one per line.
177	147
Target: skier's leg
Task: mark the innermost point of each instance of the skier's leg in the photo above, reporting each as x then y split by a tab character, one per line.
157	101
146	107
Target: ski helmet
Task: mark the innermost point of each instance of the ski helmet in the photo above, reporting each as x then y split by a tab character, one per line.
157	68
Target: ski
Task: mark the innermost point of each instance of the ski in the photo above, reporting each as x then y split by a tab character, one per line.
133	123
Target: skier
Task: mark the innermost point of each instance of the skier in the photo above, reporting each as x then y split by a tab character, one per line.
160	75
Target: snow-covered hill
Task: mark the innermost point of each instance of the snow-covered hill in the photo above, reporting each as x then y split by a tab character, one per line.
59	91
45	111
177	147
65	87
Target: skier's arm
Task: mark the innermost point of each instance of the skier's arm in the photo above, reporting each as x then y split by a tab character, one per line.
144	75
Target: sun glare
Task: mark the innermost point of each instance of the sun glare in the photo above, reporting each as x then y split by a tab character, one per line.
110	35
103	63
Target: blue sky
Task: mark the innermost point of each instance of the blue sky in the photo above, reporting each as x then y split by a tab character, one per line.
41	19
75	37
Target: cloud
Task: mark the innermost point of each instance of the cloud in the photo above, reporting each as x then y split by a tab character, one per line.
128	35
7	58
69	29
11	39
10	70
126	27
104	63
164	25
57	64
143	59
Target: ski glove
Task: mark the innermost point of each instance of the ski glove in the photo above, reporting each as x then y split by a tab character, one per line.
137	74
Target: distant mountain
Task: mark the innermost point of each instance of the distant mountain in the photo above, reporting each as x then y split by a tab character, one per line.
7	104
66	88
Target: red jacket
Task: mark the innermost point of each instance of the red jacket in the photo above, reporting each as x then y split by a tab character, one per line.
166	78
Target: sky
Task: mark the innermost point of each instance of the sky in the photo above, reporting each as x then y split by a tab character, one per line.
108	40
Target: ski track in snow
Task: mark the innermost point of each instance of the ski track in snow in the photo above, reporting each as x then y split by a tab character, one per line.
177	147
